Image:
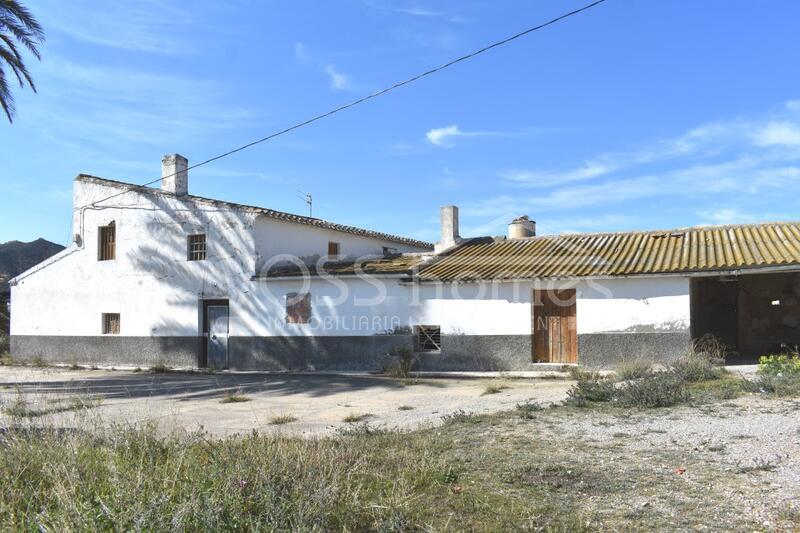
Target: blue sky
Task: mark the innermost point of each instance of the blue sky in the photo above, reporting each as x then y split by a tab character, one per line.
634	115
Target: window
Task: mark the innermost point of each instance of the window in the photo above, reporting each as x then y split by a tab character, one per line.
107	243
110	323
196	248
333	250
298	308
428	338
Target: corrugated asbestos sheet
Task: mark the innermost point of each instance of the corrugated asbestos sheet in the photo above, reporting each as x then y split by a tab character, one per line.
621	254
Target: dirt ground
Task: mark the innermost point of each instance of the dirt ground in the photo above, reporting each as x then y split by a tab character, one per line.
728	465
319	403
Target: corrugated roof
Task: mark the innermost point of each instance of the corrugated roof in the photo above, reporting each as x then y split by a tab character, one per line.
271	213
399	264
686	250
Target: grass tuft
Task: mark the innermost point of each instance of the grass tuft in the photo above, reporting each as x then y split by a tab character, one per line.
633	370
352	418
282	419
160	368
405	408
20	408
494	388
234	397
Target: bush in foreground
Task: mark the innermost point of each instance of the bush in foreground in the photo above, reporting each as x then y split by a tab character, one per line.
696	376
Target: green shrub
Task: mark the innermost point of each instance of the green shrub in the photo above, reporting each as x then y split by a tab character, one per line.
662	389
595	389
779	385
402	364
527	409
702	362
779	365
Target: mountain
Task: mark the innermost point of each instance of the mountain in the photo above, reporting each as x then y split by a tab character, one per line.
17	257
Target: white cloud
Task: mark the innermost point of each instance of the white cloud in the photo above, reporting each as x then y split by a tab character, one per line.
445	136
339	80
440	136
151	26
530	178
778	133
300	52
109	105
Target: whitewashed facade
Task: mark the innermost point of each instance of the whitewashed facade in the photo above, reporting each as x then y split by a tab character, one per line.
158	299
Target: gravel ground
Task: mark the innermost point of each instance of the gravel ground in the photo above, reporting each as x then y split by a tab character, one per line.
319	403
755	439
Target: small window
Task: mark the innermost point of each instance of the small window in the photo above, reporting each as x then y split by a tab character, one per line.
110	323
298	308
197	247
333	250
428	338
107	243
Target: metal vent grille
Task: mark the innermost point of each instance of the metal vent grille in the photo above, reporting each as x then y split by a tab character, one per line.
428	338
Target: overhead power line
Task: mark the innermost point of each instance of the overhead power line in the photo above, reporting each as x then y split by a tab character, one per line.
369	96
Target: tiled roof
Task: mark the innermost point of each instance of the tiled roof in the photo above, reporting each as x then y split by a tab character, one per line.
399	264
714	248
271	213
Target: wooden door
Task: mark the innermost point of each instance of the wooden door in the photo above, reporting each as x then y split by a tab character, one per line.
554	329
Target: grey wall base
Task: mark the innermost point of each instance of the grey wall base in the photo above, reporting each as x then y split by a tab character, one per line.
353	353
357	353
608	350
107	350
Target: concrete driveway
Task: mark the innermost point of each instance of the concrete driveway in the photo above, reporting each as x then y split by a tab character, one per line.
318	403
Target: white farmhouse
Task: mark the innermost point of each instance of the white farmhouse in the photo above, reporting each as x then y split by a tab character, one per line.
161	276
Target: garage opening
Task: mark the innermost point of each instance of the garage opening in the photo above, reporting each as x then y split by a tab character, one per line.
754	314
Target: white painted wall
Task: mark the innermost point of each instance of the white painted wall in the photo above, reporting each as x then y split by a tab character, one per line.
339	306
309	243
151	283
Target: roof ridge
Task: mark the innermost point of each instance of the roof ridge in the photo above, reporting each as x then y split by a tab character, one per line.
280	215
685	229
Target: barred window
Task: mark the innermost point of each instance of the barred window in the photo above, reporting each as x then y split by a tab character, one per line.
196	247
298	308
107	243
110	323
428	338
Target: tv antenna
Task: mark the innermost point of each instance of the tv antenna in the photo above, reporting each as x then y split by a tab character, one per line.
308	199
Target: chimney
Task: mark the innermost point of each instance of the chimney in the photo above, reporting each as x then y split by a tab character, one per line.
521	228
174	174
449	229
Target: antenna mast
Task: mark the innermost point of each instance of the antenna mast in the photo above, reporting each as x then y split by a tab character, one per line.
308	199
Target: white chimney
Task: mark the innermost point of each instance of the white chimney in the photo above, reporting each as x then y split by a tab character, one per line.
175	174
521	228
449	229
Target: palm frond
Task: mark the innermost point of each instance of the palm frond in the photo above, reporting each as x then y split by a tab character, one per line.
12	57
6	98
27	30
18	27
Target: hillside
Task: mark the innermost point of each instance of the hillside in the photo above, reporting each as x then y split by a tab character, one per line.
17	257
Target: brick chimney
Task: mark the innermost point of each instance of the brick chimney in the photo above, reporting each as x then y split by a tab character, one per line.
174	174
449	222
